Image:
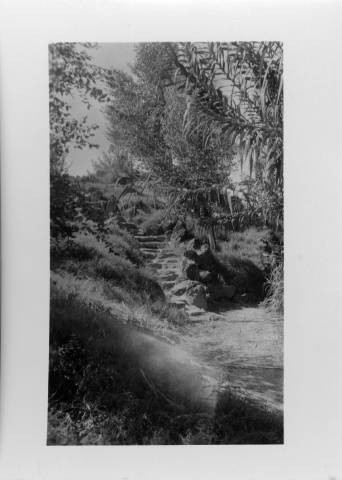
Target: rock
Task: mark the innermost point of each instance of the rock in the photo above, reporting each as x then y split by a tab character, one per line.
198	298
178	302
154	290
191	255
207	277
219	291
194	244
206	260
182	287
180	232
194	311
189	269
193	293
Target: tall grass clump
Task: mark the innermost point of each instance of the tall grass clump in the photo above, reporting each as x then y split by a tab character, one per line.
274	301
241	260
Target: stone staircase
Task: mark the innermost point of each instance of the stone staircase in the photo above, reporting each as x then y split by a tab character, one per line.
244	344
161	259
164	263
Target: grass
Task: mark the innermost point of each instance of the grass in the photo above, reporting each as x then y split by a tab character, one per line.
85	246
241	257
246	245
107	272
274	301
114	258
134	307
101	392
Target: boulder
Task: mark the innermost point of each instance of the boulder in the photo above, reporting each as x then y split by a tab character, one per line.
194	244
206	260
189	269
180	232
207	277
190	254
220	291
154	290
193	293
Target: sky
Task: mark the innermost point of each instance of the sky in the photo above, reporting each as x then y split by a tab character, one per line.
111	55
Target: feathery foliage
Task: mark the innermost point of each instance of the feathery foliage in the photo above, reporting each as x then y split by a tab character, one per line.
236	95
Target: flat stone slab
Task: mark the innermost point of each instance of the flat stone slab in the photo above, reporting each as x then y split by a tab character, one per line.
194	311
155	245
149	254
167	285
177	302
150	238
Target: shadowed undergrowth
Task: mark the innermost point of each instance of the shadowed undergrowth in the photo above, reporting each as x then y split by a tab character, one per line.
103	390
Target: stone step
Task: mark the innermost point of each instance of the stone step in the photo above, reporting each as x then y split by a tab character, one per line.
128	226
169	256
168	284
149	254
194	311
149	249
168	275
150	238
155	245
176	302
155	264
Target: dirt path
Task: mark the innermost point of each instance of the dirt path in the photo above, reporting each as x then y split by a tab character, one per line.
244	345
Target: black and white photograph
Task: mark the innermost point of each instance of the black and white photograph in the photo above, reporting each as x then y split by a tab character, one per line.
166	243
171	237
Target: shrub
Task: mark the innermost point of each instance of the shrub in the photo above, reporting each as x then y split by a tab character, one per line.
122	272
87	246
241	258
154	223
121	242
81	247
